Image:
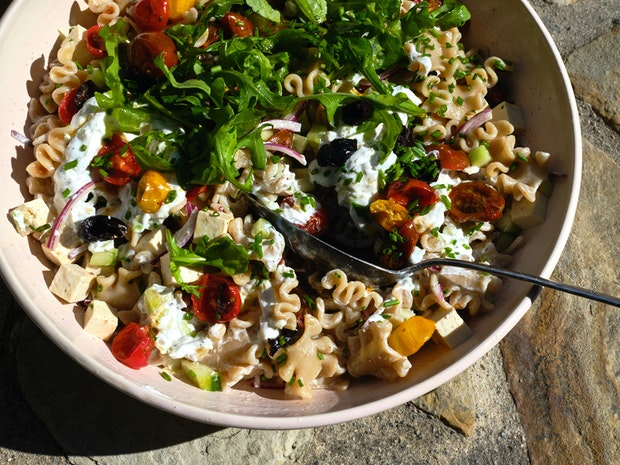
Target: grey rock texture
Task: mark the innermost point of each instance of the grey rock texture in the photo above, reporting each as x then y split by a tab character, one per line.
548	394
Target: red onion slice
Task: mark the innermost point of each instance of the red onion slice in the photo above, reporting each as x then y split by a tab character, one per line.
20	137
287	151
475	121
62	216
291	125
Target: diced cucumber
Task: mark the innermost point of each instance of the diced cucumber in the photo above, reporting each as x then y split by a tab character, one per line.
480	156
201	375
104	258
313	138
506	225
546	187
527	214
504	241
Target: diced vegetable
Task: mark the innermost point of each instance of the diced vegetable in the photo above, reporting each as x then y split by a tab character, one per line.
203	376
480	156
411	335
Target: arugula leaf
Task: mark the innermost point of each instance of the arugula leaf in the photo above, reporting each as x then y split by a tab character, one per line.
451	14
113	36
314	10
222	253
263	8
154	150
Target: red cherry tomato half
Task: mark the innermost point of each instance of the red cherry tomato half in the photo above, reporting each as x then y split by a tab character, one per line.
145	47
317	224
395	255
74	100
132	345
193	193
219	300
475	201
412	192
151	15
95	43
116	162
452	159
237	25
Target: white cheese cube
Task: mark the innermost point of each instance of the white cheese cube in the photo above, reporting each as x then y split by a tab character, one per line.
100	320
188	274
526	214
211	224
32	218
509	112
72	283
450	329
67	241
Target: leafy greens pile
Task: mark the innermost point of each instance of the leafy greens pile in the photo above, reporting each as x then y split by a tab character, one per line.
218	95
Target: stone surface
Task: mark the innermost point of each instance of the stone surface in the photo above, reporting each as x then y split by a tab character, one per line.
549	394
563	358
594	80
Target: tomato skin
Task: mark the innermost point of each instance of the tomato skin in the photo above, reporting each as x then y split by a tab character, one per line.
318	223
132	345
74	100
475	201
151	15
413	190
219	300
94	42
395	255
237	25
452	159
145	47
115	167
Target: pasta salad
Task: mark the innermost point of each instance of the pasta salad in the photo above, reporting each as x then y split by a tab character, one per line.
369	124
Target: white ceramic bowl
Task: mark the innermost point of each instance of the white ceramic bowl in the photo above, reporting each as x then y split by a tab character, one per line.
507	28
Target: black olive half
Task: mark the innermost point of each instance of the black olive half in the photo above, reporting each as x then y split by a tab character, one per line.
287	337
101	228
336	153
357	112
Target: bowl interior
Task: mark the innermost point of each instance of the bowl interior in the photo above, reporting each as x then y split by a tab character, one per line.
539	85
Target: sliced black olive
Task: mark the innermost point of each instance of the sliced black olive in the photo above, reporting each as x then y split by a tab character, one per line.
287	338
84	92
357	112
336	153
101	228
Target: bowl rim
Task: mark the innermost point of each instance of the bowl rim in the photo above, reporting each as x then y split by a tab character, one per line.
161	401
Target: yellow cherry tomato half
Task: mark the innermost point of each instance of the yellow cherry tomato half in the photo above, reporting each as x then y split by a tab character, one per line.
388	213
153	190
179	7
411	335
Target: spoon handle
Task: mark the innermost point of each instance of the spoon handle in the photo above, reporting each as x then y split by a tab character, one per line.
513	274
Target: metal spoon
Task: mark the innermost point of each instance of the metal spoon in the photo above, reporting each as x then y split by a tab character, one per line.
320	252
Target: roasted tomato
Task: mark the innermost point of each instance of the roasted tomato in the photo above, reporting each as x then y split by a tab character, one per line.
412	194
396	251
283	137
219	299
151	15
452	159
145	47
94	42
237	25
74	100
475	201
132	345
317	224
115	162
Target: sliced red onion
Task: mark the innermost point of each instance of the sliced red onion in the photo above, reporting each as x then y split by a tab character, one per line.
185	233
20	137
438	292
75	253
62	216
288	124
475	121
287	151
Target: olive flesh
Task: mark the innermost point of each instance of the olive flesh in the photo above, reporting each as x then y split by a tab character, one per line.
336	153
101	228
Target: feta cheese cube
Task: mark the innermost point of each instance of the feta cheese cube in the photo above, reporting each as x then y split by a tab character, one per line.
188	274
72	283
100	320
450	329
211	224
32	218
